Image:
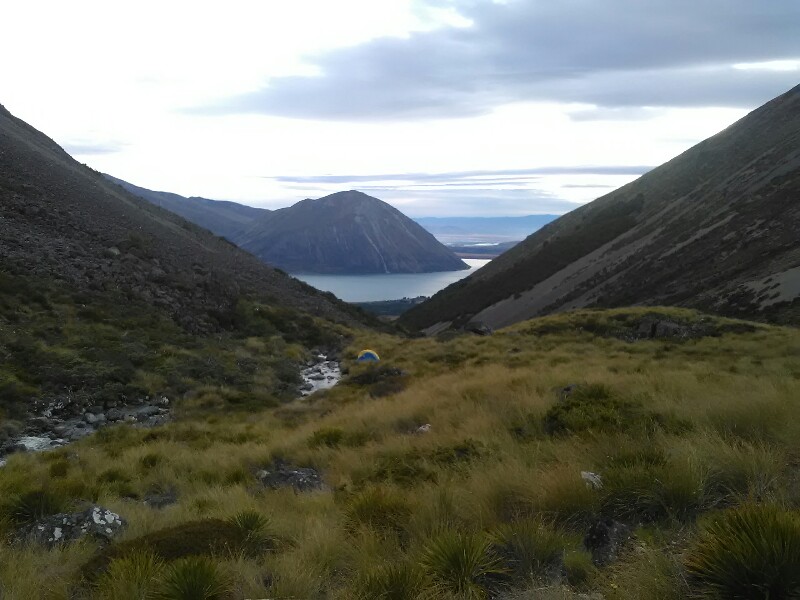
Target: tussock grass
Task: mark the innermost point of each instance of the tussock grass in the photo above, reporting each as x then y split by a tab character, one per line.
747	552
490	500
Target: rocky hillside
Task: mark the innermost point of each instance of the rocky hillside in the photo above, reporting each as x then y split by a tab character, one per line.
715	228
346	232
62	221
226	219
112	309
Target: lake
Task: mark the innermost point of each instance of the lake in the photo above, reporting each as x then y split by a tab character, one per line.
372	288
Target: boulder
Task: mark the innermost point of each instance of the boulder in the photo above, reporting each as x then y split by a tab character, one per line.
160	499
147	411
63	528
605	539
301	479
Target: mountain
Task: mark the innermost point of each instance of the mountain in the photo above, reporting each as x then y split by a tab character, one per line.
346	232
226	219
715	228
454	229
63	222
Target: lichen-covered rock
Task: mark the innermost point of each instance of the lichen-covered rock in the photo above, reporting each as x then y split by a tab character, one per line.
63	528
605	539
301	479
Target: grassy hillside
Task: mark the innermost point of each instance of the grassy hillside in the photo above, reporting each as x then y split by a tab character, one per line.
84	347
693	436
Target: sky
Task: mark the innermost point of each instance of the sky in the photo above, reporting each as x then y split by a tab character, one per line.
439	107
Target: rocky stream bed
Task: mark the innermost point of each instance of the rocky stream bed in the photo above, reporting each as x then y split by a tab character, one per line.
58	423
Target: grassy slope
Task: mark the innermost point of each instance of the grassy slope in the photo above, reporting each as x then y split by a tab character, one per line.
690	427
57	343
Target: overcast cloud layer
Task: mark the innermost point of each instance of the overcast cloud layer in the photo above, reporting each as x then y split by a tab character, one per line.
615	54
441	107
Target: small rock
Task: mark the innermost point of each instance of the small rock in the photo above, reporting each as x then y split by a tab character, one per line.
114	414
593	480
160	500
90	418
301	479
147	411
423	428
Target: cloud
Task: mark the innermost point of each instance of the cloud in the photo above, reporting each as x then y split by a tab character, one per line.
473	203
92	148
471	178
618	53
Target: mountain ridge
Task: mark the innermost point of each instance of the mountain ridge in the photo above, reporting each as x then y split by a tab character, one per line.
64	221
346	232
706	229
222	217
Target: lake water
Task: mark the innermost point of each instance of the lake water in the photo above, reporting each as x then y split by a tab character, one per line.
371	288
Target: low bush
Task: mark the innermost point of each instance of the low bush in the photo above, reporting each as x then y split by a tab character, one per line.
529	547
207	537
135	577
31	506
579	568
195	578
462	564
593	407
749	552
380	509
393	581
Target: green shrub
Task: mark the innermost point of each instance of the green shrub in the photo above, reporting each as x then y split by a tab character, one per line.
402	468
379	509
329	436
207	537
113	476
135	577
393	581
461	452
746	553
652	492
592	407
150	460
195	578
462	564
579	568
254	528
529	546
59	468
32	506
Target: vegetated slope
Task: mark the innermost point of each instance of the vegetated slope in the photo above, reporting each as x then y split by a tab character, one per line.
226	219
105	298
564	457
346	232
63	221
714	228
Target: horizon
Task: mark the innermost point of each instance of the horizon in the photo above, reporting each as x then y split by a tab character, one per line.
516	109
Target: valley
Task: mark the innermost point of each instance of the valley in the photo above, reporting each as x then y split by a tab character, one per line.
597	406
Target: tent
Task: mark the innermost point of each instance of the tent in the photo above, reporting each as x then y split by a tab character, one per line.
368	356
